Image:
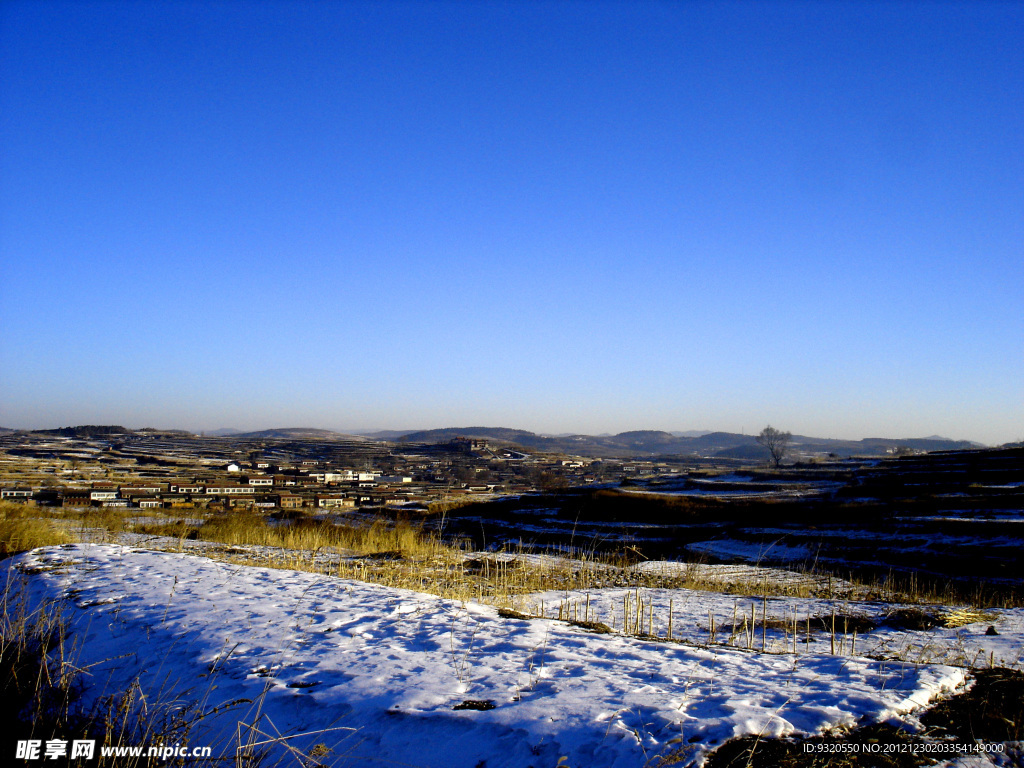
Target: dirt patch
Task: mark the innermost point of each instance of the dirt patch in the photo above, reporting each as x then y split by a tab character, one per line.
913	618
508	613
390	555
593	626
990	710
481	705
490	566
847	623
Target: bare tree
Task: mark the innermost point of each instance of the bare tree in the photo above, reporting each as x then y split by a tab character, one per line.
776	442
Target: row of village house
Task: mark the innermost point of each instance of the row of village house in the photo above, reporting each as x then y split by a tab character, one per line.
236	495
190	493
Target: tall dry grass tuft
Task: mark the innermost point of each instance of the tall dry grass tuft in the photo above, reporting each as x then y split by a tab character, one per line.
21	529
403	539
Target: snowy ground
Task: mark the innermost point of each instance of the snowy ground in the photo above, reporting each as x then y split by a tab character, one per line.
724	574
300	652
694	613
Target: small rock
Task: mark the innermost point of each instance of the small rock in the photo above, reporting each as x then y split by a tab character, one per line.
991	631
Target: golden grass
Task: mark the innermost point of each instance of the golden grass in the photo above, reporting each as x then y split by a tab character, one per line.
961	617
36	683
22	529
405	539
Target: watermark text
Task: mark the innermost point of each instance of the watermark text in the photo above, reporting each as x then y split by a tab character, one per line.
54	749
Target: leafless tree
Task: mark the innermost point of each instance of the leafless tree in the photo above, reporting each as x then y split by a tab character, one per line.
776	442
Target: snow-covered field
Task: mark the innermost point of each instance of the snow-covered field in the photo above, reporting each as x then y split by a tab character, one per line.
385	676
694	613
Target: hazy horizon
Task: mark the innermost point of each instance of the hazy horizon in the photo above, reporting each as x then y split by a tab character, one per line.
562	217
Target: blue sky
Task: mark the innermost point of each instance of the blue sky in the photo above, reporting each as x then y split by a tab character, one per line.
564	217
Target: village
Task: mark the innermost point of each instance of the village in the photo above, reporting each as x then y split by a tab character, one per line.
171	470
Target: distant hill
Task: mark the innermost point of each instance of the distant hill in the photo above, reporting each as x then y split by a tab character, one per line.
500	434
714	442
639	443
645	436
223	432
753	452
384	434
297	433
626	444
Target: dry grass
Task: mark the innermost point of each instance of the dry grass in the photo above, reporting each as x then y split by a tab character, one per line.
22	529
110	519
38	684
961	617
405	539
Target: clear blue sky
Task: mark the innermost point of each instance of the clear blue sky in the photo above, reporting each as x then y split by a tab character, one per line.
565	216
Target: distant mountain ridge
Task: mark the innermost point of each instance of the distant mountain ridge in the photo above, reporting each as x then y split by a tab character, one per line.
648	442
502	434
631	444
